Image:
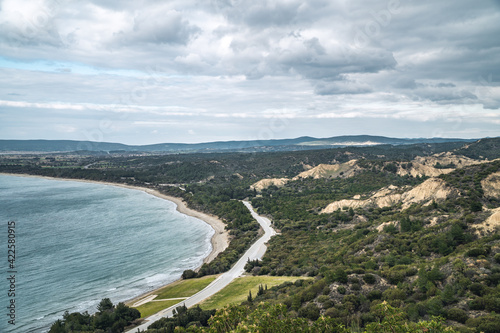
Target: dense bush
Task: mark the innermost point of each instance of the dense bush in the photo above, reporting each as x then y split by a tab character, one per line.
458	315
108	319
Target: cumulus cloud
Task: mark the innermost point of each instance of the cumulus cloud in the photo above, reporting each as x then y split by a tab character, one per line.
159	27
238	58
342	87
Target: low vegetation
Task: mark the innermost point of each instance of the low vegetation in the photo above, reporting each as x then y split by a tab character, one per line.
153	307
108	319
178	289
184	288
240	289
426	266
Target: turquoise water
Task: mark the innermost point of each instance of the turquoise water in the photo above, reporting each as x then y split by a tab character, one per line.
77	243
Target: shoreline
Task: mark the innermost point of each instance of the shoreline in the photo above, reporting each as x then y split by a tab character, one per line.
219	241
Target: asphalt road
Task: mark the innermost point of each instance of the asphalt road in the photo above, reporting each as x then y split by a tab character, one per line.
256	251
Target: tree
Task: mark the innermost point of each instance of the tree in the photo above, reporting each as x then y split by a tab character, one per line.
105	305
369	278
340	275
109	319
267	318
261	290
188	274
393	320
57	327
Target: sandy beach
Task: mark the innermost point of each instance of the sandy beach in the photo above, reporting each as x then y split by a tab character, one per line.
220	239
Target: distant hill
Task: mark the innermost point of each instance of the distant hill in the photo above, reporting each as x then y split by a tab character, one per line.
485	148
302	143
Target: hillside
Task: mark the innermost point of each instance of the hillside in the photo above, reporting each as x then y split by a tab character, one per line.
302	143
409	228
431	191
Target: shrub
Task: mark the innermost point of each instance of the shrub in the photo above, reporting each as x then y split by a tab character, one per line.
458	315
323	298
477	289
390	229
328	304
477	304
356	286
310	311
393	294
492	303
333	312
374	294
476	252
391	167
188	274
434	307
497	258
369	278
486	324
435	274
372	265
340	275
351	302
395	276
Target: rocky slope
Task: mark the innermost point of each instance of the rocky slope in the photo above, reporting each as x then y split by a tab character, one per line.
433	189
343	170
491	185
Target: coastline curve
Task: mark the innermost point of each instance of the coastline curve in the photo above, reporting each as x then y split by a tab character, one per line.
256	251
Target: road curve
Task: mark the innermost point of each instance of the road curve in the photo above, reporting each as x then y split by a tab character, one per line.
256	251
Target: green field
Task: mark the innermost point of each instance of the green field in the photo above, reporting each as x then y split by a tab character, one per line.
151	308
185	288
182	288
237	291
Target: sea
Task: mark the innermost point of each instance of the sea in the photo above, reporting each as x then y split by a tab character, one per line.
76	243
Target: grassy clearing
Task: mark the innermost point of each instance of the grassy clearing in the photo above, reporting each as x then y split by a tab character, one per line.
237	291
150	308
182	288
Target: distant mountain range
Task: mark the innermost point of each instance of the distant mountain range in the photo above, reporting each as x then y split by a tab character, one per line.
302	143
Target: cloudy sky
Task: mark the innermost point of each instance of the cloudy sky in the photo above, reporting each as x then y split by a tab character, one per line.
150	71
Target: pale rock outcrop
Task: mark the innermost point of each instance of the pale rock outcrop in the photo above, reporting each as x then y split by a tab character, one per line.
491	224
381	227
265	183
343	170
334	206
433	189
491	185
382	198
424	165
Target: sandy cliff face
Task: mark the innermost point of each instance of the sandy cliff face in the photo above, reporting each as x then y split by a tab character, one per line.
491	224
425	166
491	185
433	189
265	183
343	170
419	167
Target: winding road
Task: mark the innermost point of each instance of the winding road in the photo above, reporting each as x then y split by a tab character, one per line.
256	251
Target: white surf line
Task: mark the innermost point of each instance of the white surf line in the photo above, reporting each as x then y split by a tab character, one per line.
256	251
